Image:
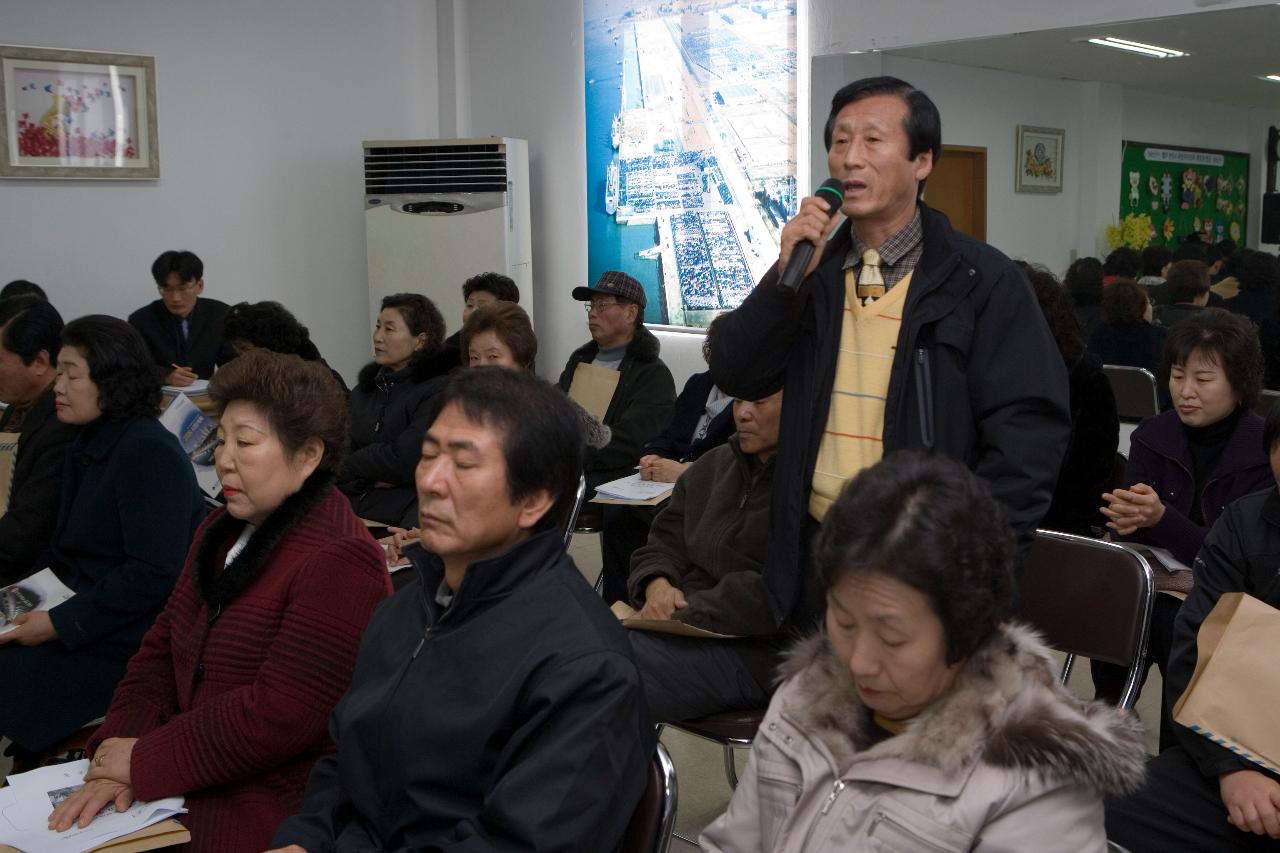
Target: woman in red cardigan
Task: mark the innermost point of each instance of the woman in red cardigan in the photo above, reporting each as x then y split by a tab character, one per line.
228	699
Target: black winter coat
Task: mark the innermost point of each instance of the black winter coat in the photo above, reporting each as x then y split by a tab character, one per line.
388	420
641	404
676	440
128	509
1240	554
1091	452
27	525
513	720
975	376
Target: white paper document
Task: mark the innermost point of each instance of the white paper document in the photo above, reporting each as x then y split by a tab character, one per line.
198	386
26	804
1170	562
41	591
632	488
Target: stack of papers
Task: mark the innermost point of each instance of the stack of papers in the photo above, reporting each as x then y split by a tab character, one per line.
633	489
26	804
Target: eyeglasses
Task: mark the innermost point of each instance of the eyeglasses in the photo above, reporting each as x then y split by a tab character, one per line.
599	306
185	287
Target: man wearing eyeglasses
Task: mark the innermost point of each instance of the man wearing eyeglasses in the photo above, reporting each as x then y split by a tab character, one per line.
182	330
646	393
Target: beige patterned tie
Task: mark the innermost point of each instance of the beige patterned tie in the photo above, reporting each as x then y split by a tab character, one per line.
870	282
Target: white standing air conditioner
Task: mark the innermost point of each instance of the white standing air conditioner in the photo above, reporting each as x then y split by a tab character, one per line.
438	211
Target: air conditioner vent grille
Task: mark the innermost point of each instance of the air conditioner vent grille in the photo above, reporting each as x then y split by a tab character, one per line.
475	168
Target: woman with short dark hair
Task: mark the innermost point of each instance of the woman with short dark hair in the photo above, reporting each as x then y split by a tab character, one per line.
227	701
921	717
1185	465
1083	281
269	325
128	509
1126	335
387	410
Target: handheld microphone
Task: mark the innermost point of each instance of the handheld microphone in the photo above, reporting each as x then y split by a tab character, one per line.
832	193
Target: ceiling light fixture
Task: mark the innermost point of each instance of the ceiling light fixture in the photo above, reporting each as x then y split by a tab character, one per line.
1152	50
1275	78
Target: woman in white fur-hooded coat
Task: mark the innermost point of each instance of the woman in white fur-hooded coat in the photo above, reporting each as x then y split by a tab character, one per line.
920	718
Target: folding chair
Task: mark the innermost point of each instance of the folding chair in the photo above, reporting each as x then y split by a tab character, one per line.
654	819
1090	598
1135	391
729	729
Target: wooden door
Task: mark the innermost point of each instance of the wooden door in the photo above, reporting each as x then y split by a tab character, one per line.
957	186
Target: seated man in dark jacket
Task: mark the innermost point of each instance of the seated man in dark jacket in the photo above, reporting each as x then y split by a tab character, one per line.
183	329
30	337
495	704
701	566
703	419
645	394
1199	795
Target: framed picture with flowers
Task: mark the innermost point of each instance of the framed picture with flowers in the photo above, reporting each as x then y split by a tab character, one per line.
77	114
1039	152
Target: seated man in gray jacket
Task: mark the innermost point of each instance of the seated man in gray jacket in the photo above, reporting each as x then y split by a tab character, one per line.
701	566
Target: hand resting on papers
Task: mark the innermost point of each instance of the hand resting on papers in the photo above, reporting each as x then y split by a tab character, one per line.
33	629
108	780
661	600
661	469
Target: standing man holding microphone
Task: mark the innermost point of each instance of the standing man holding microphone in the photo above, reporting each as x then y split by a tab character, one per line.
891	330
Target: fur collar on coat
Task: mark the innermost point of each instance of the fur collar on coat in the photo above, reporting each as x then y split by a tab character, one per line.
1006	708
218	586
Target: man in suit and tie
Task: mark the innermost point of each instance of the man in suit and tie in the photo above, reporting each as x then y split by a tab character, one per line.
183	330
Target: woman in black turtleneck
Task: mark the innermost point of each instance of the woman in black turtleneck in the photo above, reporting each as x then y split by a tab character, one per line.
1187	464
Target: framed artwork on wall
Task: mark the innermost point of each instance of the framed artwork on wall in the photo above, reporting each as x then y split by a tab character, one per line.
1039	152
77	114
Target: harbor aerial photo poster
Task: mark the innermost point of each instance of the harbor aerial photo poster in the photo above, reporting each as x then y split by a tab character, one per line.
691	147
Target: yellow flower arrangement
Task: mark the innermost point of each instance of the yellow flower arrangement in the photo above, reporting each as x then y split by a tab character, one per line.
1134	231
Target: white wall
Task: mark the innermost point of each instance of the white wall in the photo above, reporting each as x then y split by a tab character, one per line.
526	79
262	108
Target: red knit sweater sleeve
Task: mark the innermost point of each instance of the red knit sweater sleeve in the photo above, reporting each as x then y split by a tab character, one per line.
284	711
147	695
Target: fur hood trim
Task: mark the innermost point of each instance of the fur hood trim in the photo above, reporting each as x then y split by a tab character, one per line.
218	586
423	366
1006	708
645	346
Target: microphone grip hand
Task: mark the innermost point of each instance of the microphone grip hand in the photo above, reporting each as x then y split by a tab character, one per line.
807	232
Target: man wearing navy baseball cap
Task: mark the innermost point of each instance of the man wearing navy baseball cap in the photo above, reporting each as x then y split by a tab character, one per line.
643	401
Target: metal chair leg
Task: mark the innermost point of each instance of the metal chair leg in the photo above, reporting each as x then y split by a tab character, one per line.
730	767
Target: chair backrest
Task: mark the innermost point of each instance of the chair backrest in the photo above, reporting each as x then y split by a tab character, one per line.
1135	391
1266	400
681	351
654	818
1090	598
572	521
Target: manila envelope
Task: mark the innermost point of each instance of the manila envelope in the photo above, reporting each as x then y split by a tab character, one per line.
1233	694
593	387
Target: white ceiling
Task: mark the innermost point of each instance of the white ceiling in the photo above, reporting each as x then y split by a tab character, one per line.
1229	50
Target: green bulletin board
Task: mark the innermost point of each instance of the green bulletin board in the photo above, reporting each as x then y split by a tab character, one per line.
1185	190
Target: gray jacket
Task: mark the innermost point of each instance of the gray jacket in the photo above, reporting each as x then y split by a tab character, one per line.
1007	760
